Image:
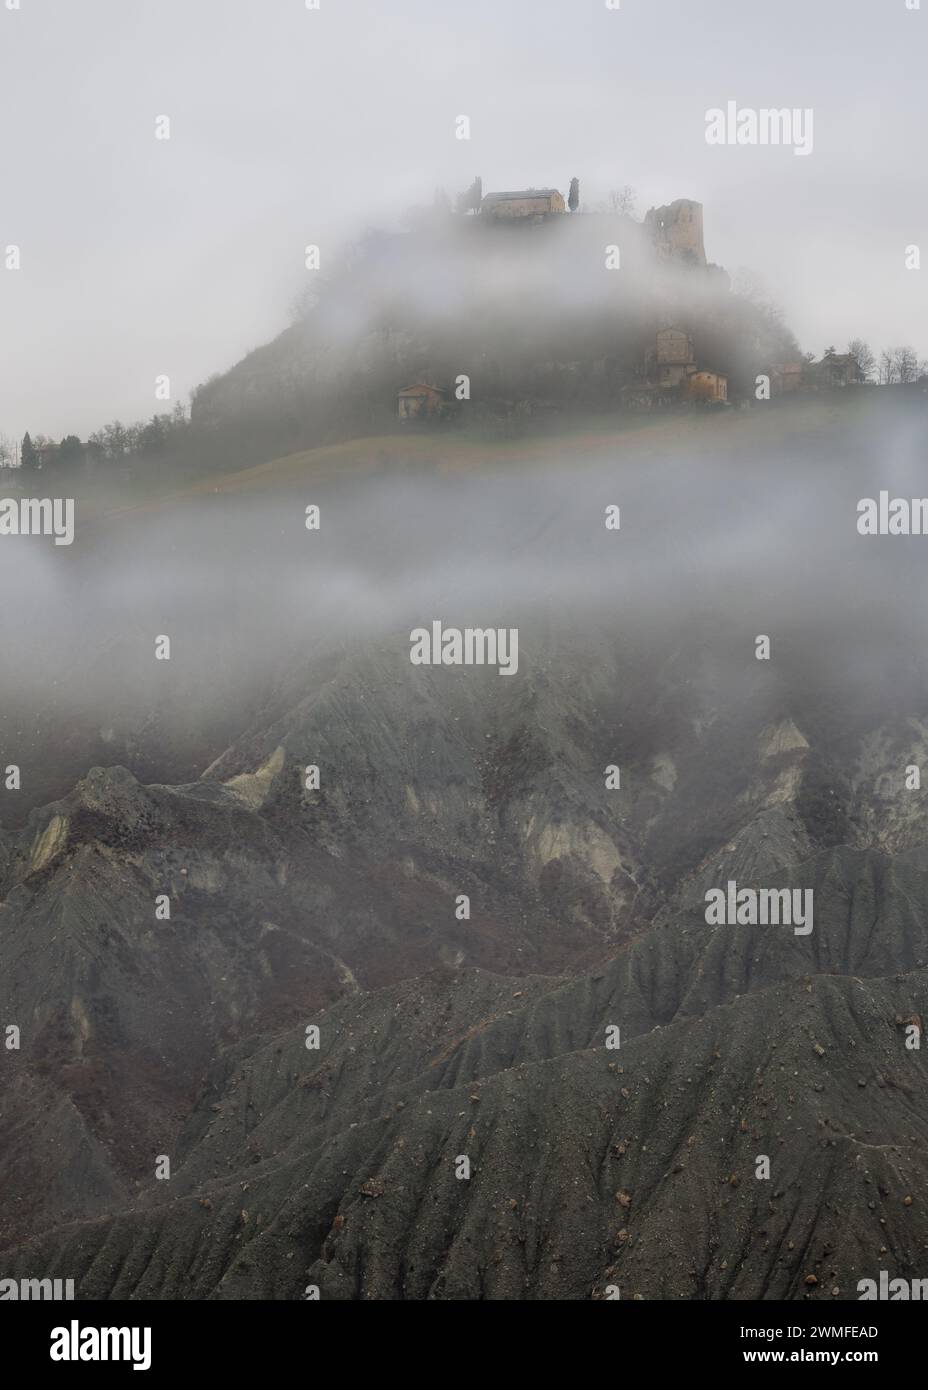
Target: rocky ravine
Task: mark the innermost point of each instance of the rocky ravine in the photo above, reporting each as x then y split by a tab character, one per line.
482	1039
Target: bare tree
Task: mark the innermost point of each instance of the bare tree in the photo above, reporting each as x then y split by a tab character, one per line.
887	367
624	200
865	358
905	359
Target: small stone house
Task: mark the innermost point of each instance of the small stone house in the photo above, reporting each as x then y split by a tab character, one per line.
418	401
786	378
707	386
837	369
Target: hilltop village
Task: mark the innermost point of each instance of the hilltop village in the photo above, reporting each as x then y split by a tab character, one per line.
505	311
673	369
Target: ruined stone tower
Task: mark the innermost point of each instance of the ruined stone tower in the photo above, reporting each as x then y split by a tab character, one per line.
676	231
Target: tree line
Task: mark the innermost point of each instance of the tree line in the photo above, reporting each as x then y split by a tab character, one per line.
895	366
115	441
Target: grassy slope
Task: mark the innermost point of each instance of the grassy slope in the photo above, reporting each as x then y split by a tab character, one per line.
646	436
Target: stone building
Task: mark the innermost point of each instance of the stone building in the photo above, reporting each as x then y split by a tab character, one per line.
786	378
532	203
707	387
673	375
418	401
837	369
676	359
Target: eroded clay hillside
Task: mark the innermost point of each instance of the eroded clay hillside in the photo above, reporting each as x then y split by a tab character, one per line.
333	901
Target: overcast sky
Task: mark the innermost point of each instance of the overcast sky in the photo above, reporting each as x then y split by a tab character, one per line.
289	126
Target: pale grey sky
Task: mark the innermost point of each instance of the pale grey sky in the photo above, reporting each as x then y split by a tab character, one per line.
290	126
